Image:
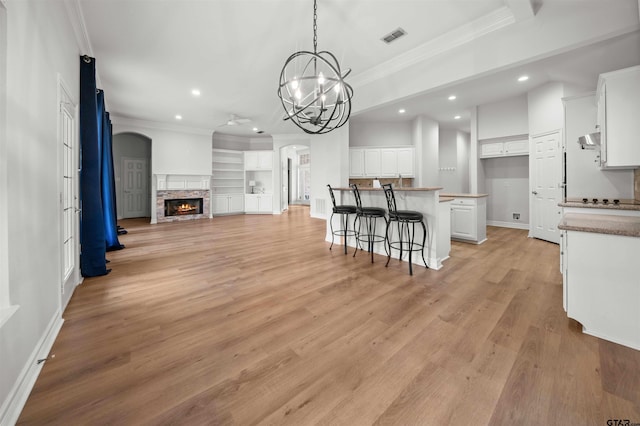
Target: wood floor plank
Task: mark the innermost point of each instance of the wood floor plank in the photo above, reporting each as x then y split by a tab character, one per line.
251	319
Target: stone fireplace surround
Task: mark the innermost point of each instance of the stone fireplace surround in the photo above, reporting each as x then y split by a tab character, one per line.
170	187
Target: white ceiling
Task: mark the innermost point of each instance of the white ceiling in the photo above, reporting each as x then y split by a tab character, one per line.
151	54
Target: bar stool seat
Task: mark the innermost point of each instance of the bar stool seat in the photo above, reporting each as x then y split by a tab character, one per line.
404	218
368	215
345	210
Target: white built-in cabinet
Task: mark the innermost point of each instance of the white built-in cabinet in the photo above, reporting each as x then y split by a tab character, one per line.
504	148
258	203
227	182
227	204
469	219
381	162
258	168
618	118
258	160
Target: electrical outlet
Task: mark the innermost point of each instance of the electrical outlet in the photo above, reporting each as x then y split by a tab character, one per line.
516	216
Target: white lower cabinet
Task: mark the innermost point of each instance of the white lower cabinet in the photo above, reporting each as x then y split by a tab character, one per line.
227	204
258	203
600	282
469	219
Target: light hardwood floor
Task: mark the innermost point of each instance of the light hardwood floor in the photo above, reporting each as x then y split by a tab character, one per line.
252	320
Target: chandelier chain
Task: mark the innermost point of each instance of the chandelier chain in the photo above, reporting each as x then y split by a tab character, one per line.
315	27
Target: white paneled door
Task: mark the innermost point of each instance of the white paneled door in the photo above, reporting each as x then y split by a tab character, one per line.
546	190
135	187
68	194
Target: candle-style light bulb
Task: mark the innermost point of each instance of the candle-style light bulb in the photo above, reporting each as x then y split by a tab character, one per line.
294	84
321	78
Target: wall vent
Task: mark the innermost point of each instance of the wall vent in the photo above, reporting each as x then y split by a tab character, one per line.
320	206
394	35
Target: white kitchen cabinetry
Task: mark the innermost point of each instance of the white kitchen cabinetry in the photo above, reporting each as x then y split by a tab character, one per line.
601	288
372	163
381	162
227	204
618	112
356	162
469	219
507	148
406	161
258	160
258	203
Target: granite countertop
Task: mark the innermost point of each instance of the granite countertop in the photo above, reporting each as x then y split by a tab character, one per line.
445	199
624	205
455	195
361	189
628	226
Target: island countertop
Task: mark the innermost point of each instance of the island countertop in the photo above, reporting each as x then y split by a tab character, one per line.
362	189
631	205
628	226
456	195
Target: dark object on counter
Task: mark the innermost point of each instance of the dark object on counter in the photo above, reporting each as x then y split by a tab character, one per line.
605	201
595	201
616	202
585	200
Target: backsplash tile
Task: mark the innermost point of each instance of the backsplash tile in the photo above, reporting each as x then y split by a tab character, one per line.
368	183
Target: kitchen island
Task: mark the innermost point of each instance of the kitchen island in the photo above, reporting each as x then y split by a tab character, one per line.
424	200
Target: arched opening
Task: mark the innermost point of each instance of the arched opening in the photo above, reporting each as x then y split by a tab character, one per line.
132	171
296	175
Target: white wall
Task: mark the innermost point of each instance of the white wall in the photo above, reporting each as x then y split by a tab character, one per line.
584	178
425	134
380	134
507	182
507	117
129	145
329	155
40	46
240	143
545	108
463	145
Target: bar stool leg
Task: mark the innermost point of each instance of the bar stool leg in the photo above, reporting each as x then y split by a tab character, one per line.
424	242
387	243
413	235
346	228
332	234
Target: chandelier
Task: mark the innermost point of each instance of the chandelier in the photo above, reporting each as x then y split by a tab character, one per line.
312	89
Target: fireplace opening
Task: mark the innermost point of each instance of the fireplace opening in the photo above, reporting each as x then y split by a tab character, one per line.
182	206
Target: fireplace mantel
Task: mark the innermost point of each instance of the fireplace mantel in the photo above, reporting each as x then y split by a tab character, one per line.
182	182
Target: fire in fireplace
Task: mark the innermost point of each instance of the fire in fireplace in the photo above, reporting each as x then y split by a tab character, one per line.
182	206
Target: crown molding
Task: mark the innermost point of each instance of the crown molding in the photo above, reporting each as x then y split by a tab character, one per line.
154	125
486	24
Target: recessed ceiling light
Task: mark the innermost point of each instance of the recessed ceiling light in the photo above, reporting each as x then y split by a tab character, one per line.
523	78
294	147
452	97
178	117
457	117
195	92
402	111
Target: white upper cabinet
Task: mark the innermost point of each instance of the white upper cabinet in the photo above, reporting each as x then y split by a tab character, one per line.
372	164
381	162
518	145
406	161
618	118
356	162
258	160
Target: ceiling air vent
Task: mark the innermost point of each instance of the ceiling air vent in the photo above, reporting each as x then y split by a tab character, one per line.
394	35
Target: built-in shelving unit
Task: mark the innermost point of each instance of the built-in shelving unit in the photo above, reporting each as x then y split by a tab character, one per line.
227	181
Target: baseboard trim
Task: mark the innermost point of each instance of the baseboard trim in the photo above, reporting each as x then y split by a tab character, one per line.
13	405
508	224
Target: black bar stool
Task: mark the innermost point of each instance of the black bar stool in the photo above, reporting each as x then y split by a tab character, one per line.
370	216
404	218
345	211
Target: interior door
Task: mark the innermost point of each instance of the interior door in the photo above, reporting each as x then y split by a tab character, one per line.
546	190
135	187
68	196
